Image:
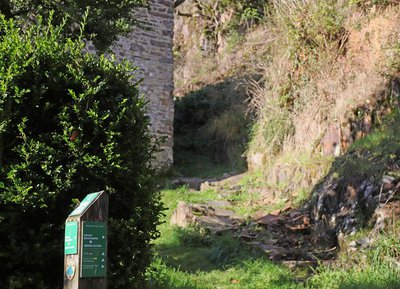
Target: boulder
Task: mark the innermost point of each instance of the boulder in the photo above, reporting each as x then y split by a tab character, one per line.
182	216
213	216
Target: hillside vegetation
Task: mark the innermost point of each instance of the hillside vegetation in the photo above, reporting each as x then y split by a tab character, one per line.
318	76
315	72
304	95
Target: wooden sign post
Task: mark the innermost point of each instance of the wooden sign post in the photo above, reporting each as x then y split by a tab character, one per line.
85	245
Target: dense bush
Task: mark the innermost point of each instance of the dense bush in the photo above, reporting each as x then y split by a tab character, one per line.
70	124
107	19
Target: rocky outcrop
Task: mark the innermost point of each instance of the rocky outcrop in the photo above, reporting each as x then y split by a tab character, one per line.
343	206
213	216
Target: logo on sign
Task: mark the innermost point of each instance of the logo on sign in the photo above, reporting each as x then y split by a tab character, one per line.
70	269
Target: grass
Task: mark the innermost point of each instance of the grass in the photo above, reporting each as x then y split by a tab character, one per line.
200	165
288	102
369	277
192	259
251	274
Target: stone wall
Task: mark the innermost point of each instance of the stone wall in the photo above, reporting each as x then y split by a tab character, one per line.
151	50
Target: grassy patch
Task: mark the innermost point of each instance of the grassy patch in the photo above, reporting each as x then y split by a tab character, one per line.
368	277
200	165
192	259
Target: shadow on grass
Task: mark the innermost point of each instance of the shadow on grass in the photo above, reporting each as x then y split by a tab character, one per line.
201	165
197	260
210	129
195	250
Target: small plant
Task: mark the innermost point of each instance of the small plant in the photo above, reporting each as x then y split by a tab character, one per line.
250	16
225	249
386	250
234	39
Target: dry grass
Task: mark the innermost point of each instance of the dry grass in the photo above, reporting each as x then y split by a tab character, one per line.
320	60
322	93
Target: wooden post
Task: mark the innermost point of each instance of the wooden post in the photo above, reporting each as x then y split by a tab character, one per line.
85	248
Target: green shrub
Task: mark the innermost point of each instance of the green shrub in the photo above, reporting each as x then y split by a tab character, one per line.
244	15
70	124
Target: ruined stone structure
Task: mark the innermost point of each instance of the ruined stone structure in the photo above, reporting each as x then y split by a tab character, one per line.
151	50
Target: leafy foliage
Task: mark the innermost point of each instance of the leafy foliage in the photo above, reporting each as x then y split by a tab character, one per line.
70	124
227	17
107	19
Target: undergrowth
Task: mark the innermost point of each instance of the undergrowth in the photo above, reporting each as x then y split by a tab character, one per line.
212	122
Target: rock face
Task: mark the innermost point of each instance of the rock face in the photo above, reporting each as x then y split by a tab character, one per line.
342	206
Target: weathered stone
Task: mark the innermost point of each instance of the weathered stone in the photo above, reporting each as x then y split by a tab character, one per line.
388	183
151	50
271	220
301	264
216	220
227	181
205	186
386	213
364	242
220	204
216	224
331	142
353	244
224	213
182	216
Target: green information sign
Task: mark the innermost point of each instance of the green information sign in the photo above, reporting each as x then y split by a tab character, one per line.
71	238
86	202
94	249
